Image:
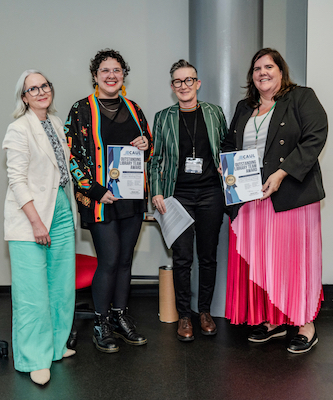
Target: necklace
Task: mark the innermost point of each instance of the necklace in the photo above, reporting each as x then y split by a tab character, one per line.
255	124
107	109
189	109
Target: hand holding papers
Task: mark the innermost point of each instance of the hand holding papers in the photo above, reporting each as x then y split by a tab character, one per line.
241	176
125	178
174	222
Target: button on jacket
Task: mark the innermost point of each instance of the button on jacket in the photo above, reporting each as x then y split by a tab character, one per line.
33	174
296	135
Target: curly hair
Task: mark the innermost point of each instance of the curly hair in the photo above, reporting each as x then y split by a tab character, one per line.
181	64
252	94
103	55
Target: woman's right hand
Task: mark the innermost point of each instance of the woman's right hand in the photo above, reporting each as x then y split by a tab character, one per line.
158	202
219	170
41	234
108	198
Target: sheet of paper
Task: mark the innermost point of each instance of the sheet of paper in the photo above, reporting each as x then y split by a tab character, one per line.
174	222
241	176
125	172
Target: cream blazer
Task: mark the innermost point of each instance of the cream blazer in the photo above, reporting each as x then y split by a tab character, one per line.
33	174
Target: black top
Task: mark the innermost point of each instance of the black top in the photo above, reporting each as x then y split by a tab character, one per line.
209	176
114	133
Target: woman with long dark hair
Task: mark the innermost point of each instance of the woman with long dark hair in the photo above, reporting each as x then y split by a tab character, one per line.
275	262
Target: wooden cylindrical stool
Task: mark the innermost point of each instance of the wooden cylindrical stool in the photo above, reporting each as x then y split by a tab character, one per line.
167	300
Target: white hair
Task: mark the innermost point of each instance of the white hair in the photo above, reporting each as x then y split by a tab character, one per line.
21	107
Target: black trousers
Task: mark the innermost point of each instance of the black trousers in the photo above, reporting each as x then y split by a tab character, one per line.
114	243
206	207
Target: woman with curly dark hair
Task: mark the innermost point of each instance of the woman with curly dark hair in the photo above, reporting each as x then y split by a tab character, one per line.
101	119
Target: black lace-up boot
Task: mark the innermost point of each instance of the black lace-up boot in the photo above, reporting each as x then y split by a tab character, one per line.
125	328
103	337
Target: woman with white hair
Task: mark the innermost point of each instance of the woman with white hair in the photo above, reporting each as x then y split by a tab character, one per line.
40	214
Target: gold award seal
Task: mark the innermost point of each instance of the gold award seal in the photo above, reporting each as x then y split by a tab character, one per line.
230	180
114	173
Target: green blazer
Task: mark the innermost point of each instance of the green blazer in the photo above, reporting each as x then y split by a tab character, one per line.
163	166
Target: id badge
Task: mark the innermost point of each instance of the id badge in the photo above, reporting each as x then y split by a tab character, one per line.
193	165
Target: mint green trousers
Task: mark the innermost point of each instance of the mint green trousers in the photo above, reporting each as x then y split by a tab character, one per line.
43	293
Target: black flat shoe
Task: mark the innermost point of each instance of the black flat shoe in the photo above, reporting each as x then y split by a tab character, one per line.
260	334
301	344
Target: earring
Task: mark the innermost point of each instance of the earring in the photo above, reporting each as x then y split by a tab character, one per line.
123	90
96	91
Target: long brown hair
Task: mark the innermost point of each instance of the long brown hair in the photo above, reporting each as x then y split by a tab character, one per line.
252	94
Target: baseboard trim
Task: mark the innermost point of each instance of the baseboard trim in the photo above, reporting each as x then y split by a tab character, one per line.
142	285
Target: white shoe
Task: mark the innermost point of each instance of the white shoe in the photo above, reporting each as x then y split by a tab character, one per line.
69	353
41	376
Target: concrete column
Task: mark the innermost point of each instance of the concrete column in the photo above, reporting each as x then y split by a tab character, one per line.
224	35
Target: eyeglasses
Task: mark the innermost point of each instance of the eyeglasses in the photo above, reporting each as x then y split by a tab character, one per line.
107	71
34	91
177	83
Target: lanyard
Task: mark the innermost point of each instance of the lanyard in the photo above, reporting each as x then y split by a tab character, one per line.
255	124
194	129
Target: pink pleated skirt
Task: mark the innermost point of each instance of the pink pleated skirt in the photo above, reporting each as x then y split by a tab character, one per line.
275	265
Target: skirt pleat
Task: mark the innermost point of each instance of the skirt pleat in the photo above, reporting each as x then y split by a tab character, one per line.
275	265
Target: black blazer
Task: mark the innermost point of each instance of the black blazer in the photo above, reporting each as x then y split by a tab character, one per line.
296	135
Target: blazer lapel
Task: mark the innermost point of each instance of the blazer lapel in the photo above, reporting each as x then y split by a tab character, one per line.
38	132
173	121
240	127
206	111
280	109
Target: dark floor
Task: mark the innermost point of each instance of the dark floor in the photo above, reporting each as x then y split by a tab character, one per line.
223	367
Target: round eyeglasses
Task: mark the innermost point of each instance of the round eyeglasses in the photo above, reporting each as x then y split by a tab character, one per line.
107	71
34	91
177	83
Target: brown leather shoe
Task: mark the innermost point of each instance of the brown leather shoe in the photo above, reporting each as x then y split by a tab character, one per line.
208	326
185	330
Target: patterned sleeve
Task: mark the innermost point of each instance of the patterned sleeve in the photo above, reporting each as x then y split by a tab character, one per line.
80	163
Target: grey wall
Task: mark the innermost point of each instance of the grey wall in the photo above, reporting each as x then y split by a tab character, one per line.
59	38
285	29
319	67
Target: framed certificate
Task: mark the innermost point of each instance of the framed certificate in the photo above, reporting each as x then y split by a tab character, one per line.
241	176
125	172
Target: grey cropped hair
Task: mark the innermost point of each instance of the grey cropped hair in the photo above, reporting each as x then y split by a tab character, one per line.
181	64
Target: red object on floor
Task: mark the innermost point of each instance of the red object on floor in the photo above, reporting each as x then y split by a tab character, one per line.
85	270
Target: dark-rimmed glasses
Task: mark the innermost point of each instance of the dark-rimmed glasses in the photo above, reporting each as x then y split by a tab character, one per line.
177	83
34	91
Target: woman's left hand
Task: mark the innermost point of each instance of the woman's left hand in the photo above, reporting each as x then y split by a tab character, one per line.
273	183
141	142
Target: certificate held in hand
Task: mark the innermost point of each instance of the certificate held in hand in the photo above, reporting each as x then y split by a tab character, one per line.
241	176
125	172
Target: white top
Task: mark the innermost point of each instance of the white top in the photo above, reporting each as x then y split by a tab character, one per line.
250	141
